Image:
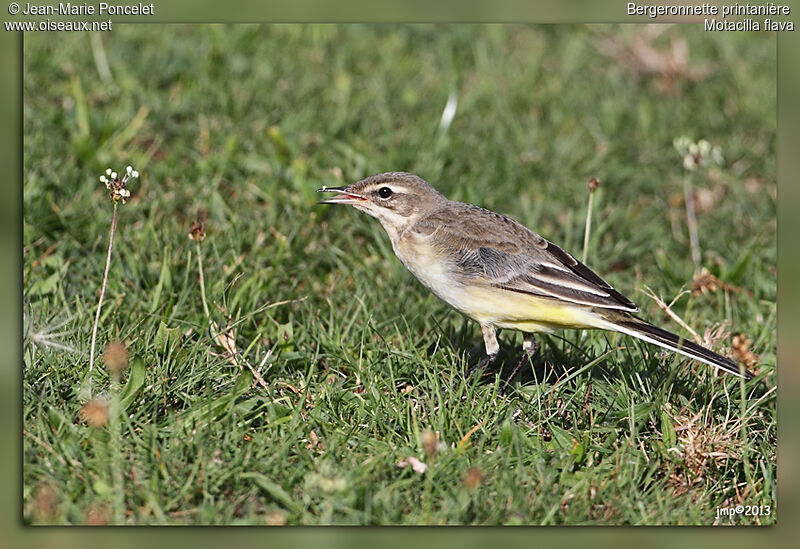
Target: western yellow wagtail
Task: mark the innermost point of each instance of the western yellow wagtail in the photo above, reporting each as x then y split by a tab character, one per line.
499	273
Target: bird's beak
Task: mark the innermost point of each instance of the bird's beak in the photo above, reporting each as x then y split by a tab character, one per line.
344	197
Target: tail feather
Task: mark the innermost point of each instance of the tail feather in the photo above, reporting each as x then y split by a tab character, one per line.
638	328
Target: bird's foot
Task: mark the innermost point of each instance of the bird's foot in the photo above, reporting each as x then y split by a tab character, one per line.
484	362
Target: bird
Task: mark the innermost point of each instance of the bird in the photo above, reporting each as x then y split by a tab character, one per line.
499	273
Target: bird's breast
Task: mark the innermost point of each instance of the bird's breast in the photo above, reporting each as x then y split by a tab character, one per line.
437	269
433	267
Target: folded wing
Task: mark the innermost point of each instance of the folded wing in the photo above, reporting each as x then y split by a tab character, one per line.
557	275
509	256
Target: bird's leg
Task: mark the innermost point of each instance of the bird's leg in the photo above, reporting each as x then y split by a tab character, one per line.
492	348
484	362
528	351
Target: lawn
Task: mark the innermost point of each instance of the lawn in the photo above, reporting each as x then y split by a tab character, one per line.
322	363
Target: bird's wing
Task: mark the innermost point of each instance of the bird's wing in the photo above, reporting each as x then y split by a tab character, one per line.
506	255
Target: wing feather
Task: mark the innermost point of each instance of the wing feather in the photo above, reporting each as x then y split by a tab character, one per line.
507	255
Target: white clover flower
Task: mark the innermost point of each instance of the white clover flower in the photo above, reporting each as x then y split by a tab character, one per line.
682	144
698	154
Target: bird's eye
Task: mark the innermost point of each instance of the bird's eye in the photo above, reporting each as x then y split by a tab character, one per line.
384	192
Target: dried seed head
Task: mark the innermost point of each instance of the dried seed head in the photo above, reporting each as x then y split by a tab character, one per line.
115	357
97	515
705	282
430	443
45	503
314	442
117	190
95	413
741	348
593	184
198	230
472	478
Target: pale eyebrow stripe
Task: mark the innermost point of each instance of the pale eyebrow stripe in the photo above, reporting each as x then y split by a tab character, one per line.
394	186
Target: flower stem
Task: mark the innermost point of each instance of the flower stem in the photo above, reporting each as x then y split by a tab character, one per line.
588	228
202	281
102	294
691	222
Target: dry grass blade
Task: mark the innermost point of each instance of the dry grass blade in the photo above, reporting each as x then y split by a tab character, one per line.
227	341
465	439
668	309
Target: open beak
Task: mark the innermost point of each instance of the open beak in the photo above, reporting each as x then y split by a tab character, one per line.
344	196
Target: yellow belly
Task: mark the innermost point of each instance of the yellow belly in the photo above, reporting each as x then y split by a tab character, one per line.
506	309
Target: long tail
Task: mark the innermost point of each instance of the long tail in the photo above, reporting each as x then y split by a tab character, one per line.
636	327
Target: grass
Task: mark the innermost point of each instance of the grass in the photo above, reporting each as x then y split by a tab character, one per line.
362	367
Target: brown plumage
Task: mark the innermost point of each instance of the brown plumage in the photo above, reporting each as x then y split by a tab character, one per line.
498	272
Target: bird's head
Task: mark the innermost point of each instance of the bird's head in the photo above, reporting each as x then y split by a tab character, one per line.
396	199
